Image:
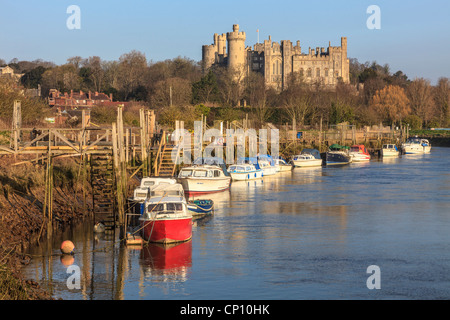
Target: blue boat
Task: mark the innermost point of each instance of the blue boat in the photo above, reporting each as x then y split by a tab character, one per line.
200	207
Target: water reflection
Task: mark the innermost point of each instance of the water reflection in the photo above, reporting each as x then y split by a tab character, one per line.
166	263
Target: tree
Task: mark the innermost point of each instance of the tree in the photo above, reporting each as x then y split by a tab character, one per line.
391	104
33	78
420	94
205	90
442	101
173	91
132	68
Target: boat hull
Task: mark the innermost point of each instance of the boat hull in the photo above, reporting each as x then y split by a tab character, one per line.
285	168
204	186
337	158
242	176
198	207
167	230
389	153
269	171
307	163
416	149
359	157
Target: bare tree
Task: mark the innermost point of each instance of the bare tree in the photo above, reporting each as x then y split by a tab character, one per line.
442	101
420	94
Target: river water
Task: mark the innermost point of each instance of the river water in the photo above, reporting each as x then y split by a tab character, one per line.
305	234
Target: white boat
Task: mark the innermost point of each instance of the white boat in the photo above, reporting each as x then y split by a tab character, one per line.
389	150
245	171
266	167
415	145
282	165
307	158
198	179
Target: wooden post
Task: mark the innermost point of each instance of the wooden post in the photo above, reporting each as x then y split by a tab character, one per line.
118	175
143	143
17	124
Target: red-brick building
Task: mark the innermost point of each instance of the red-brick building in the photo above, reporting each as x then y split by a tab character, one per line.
76	100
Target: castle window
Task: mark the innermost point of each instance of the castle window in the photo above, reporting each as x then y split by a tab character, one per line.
318	72
326	72
309	73
301	72
274	69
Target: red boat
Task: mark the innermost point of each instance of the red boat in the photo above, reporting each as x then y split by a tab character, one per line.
359	153
166	218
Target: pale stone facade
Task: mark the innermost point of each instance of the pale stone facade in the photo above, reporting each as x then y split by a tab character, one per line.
276	61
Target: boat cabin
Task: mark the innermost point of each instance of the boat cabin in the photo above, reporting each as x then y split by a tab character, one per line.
201	172
314	152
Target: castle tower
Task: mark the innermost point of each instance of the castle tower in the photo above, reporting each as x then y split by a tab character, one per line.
345	61
208	56
236	51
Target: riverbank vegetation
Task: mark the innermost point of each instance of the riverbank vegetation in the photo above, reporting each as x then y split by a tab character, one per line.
177	89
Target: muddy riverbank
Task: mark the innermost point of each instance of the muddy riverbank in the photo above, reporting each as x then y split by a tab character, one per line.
22	222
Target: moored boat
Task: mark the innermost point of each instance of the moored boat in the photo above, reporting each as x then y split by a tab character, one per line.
267	165
201	179
200	206
359	153
166	218
307	158
244	171
282	165
415	145
389	150
338	155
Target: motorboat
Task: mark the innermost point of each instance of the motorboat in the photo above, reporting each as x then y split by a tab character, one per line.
338	155
244	171
307	158
201	179
142	192
415	145
359	153
267	165
166	217
389	150
200	206
282	165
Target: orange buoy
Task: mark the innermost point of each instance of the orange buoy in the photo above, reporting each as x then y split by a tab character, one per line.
67	247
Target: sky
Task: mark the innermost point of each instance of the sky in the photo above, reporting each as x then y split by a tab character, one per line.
414	36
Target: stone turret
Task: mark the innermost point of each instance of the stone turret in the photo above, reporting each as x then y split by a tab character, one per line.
236	50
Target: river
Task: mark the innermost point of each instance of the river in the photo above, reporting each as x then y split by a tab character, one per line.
305	234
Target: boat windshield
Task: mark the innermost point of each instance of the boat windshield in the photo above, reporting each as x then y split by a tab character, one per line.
200	173
354	149
155	207
185	173
165	207
141	195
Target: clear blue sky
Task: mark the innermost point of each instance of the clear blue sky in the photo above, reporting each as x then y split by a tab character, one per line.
414	35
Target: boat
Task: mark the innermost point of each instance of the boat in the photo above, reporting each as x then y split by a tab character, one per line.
204	178
267	165
307	158
282	165
200	206
415	145
389	150
244	171
141	193
338	155
359	153
166	218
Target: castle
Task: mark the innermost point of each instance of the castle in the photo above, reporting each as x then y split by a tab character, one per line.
276	61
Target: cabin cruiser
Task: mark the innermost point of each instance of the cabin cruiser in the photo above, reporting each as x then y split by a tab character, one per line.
204	178
359	153
166	218
415	145
389	150
244	171
307	158
282	165
338	155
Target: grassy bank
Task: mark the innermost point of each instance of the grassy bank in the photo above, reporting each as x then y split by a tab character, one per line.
22	222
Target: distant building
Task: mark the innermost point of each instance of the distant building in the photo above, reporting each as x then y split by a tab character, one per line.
9	72
78	99
277	61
